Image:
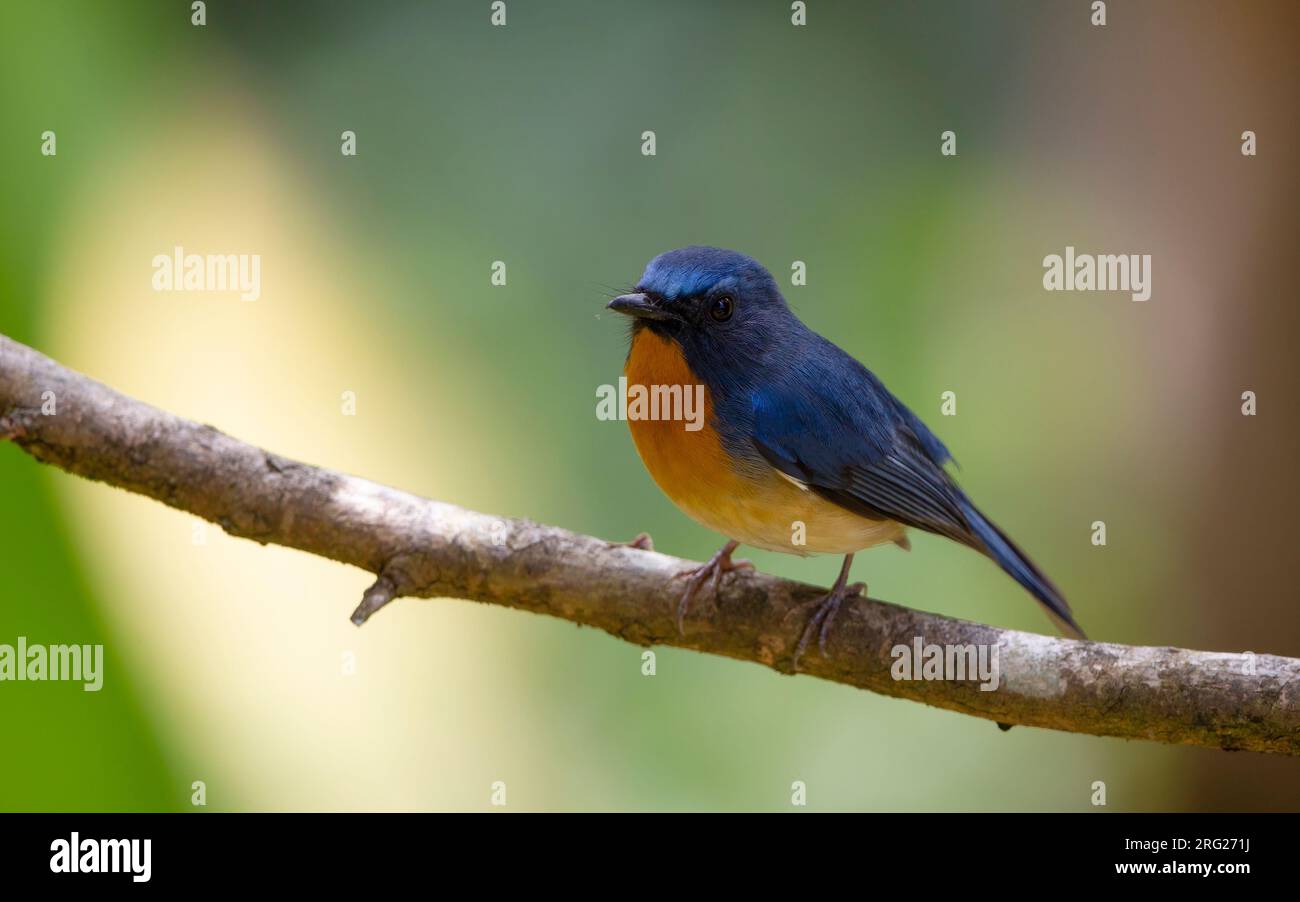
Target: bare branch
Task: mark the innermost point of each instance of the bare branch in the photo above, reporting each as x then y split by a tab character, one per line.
381	593
426	549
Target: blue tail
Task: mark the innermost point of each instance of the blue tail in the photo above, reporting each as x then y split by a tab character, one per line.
1017	564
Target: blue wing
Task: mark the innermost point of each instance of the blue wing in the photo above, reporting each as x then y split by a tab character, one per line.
833	426
829	422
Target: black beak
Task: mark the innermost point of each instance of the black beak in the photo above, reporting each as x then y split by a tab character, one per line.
640	306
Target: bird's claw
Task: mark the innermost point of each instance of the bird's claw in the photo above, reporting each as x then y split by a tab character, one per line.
718	565
828	606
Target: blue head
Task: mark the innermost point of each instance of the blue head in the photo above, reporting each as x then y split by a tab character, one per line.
722	307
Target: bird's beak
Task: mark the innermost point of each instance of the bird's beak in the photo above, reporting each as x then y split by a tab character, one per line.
640	306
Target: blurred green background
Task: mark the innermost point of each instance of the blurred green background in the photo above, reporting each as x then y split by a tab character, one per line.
228	663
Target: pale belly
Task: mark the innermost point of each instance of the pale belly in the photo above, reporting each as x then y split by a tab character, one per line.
777	515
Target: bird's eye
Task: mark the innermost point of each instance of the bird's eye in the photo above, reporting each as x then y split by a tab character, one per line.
721	309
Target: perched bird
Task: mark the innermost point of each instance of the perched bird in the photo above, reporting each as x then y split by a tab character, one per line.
795	431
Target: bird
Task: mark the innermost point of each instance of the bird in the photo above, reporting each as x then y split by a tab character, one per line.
801	448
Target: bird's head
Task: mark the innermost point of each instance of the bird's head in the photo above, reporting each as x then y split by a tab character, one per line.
720	306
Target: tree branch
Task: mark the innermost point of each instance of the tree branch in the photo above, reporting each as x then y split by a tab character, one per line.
423	548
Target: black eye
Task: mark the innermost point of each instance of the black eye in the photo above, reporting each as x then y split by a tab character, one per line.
721	309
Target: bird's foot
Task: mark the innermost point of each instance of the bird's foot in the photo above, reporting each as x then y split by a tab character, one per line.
714	569
642	542
828	606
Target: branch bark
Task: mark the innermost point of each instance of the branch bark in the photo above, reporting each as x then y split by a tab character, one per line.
426	549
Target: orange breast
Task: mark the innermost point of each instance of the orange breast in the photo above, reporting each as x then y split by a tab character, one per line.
692	468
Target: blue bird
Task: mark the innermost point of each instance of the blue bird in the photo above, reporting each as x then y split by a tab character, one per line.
795	433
